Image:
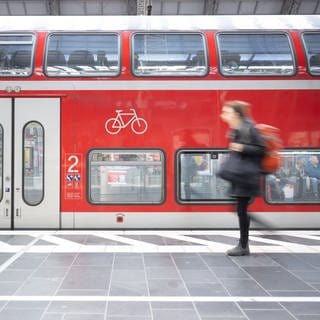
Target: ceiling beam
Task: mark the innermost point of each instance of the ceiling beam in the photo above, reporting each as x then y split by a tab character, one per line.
210	7
53	7
290	6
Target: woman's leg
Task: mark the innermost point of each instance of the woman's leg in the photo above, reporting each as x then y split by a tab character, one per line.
244	221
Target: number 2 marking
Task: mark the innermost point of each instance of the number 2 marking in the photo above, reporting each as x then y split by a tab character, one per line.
75	160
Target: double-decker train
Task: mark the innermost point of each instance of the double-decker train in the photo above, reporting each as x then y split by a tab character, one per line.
114	122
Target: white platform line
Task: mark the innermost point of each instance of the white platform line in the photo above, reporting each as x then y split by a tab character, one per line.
22	250
162	298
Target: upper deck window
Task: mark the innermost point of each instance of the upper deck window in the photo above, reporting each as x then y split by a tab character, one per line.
90	54
255	54
16	52
312	48
163	54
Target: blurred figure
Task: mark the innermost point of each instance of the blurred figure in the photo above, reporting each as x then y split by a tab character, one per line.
312	170
245	144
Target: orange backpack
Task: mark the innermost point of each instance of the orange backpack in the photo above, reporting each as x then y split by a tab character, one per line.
271	136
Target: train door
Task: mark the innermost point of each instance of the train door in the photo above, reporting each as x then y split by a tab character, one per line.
29	162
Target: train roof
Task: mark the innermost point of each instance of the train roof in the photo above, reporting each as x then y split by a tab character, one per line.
163	23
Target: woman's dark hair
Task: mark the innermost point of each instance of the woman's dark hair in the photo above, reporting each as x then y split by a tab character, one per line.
240	107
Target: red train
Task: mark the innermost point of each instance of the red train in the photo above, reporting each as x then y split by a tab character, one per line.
113	122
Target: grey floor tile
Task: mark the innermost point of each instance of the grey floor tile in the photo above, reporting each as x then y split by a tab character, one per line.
123	275
268	314
47	272
39	286
94	259
255	260
81	307
126	288
162	273
167	287
87	277
17	240
128	309
243	287
82	292
217	260
230	272
125	263
194	263
291	262
206	289
59	260
260	305
18	314
158	260
171	305
308	276
84	316
308	317
79	238
293	239
190	275
18	275
41	305
29	261
127	318
276	278
52	316
218	309
9	288
174	314
95	240
296	293
303	308
4	257
310	258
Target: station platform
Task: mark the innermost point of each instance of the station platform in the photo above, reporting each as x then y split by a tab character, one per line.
158	275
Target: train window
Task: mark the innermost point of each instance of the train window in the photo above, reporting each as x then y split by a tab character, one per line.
197	178
163	54
312	48
1	162
16	52
297	180
33	163
77	55
255	54
126	176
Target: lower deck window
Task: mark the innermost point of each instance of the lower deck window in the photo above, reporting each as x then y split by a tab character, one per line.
126	176
197	177
297	180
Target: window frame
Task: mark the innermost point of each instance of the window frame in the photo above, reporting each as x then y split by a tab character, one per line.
129	151
34	40
168	75
113	75
177	179
219	56
306	152
305	51
23	164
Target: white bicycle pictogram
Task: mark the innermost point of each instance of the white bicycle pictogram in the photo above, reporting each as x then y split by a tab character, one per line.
138	124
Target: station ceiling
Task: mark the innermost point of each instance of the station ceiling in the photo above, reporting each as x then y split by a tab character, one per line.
159	7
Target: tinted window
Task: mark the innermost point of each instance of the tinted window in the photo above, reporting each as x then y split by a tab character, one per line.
297	180
33	163
117	176
82	55
197	176
255	54
16	52
312	48
169	55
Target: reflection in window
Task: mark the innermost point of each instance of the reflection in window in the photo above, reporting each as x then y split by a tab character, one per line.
169	54
16	55
83	55
255	54
1	162
126	176
197	176
297	180
312	48
33	163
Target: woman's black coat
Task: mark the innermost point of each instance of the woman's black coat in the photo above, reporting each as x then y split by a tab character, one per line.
252	153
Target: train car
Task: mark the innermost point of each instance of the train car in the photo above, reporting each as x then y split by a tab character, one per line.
114	122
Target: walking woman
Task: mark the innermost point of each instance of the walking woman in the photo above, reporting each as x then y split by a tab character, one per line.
243	167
